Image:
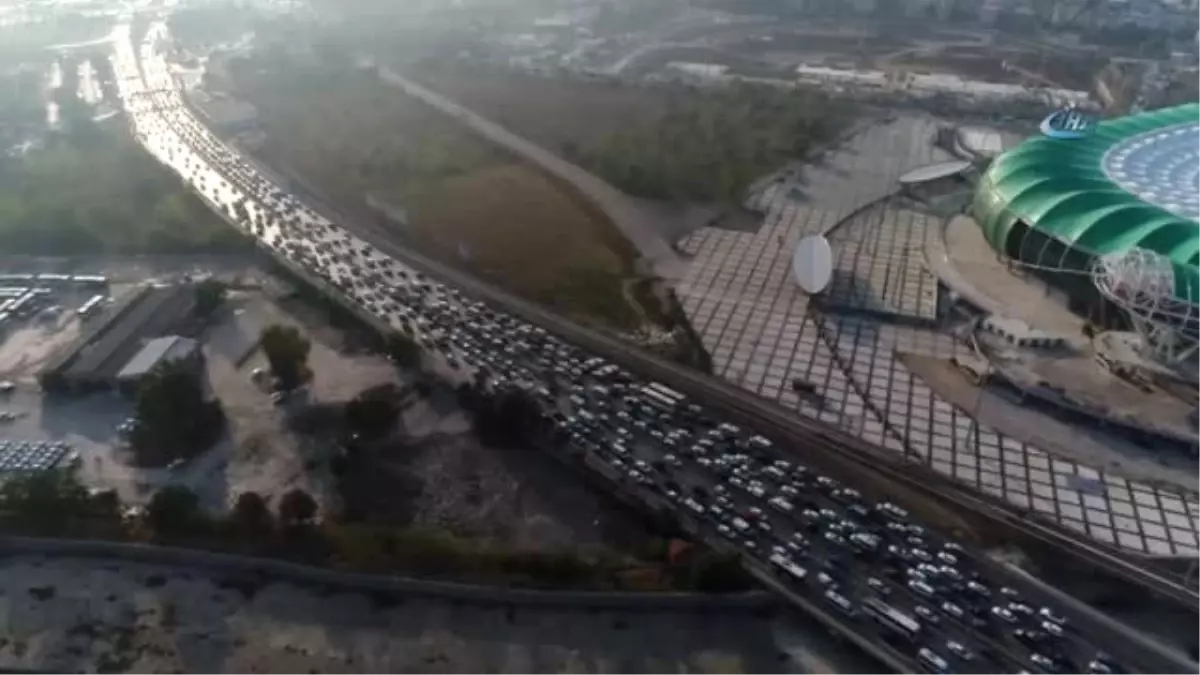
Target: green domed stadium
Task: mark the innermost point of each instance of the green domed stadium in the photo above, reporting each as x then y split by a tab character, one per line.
1130	186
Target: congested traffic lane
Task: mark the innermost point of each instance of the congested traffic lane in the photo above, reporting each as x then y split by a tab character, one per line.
725	480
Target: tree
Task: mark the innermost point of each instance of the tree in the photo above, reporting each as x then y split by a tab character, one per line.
174	418
297	507
402	350
510	417
49	501
251	515
287	353
210	293
373	412
720	573
174	510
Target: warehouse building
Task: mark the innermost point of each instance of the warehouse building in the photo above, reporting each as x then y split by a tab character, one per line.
158	352
111	341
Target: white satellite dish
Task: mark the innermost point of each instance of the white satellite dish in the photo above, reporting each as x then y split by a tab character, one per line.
812	264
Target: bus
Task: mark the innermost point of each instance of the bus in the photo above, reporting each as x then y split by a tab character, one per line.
658	399
668	393
898	623
90	306
785	565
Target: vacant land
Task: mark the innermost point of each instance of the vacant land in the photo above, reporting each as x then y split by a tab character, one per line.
434	474
372	151
79	615
668	141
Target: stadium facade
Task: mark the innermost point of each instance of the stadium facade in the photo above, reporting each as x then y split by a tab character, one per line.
1106	217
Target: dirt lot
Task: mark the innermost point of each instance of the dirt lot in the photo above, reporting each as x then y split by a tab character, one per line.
463	199
75	615
436	475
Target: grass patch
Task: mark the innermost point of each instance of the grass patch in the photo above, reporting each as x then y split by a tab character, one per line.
511	220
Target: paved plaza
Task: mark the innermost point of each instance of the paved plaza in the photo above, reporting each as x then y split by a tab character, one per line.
762	334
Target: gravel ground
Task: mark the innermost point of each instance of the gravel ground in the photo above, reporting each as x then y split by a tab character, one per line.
75	615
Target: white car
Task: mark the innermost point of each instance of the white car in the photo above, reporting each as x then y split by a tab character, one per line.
960	650
1049	615
1004	614
927	615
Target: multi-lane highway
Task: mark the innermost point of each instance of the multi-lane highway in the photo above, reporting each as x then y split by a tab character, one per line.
917	599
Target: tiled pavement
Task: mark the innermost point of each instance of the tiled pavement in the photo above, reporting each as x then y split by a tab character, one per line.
758	327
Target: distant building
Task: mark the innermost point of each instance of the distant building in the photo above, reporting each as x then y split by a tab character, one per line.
157	352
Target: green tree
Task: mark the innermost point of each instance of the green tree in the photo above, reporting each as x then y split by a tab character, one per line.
174	510
174	418
210	294
251	515
297	507
720	573
373	412
48	501
287	353
402	350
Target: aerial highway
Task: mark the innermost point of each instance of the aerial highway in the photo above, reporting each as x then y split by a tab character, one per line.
899	588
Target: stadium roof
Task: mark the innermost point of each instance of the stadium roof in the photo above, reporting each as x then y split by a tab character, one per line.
1132	182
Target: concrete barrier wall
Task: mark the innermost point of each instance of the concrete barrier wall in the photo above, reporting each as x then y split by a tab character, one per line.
224	564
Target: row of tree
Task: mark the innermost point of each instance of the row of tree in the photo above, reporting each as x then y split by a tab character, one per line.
55	503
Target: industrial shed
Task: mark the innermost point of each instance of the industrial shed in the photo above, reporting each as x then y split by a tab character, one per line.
96	359
157	352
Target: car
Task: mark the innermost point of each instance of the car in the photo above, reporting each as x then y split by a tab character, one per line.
1003	614
1044	662
1029	638
927	614
931	661
1052	628
960	650
878	586
1049	615
921	588
953	610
